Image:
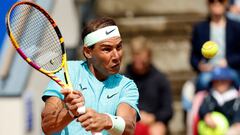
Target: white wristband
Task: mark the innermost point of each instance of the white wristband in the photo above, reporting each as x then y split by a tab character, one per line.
118	125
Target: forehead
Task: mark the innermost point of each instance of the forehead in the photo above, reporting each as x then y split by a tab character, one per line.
110	41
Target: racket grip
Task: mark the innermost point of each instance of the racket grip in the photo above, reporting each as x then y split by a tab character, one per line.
96	133
82	110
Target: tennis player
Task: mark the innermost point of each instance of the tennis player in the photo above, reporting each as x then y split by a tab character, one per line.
110	98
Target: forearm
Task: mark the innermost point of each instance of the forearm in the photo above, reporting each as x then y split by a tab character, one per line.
54	116
129	127
55	121
129	115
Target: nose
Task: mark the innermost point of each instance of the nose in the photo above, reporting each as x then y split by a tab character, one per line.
116	55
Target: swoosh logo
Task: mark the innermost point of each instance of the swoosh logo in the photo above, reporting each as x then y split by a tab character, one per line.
108	32
110	96
82	88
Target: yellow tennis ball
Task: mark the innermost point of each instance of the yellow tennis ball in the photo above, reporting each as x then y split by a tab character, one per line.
209	49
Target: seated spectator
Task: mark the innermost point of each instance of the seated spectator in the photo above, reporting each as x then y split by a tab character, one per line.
225	33
218	28
223	97
155	102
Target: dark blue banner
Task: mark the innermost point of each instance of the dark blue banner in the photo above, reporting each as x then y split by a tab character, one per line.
4	7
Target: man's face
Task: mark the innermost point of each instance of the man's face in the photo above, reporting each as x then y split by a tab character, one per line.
107	56
217	7
141	62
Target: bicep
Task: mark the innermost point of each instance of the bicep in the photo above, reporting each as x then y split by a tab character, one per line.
127	112
129	115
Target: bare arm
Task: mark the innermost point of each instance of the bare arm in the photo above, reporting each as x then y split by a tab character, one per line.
96	122
54	116
129	114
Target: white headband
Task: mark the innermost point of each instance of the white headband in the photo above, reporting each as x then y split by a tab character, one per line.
101	34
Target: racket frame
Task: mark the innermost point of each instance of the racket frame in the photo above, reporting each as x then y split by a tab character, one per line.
50	74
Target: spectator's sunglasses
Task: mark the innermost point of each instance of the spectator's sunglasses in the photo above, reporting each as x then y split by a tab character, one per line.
213	1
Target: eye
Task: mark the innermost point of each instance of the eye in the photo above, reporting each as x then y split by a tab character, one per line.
106	49
119	46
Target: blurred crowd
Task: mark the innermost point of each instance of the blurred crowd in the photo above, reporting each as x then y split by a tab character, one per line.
215	88
208	99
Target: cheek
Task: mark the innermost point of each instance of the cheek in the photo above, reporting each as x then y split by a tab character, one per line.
101	60
120	55
218	9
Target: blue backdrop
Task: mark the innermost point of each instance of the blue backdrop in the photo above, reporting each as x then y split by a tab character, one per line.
4	7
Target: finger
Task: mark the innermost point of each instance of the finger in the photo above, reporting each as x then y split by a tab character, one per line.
91	127
80	105
70	97
66	91
71	107
83	117
77	92
86	123
77	100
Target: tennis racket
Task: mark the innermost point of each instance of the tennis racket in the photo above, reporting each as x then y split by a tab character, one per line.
38	40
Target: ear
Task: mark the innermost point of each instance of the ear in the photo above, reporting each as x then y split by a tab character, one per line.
87	52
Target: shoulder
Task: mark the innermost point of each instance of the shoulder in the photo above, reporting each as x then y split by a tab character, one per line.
157	74
76	65
234	24
202	24
123	80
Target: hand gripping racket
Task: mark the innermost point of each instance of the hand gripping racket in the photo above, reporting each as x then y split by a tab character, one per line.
38	40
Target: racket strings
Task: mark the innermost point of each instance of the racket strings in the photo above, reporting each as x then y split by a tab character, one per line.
36	37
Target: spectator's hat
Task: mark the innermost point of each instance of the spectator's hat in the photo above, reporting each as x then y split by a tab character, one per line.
221	73
224	73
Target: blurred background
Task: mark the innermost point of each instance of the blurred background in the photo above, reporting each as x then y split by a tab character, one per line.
166	23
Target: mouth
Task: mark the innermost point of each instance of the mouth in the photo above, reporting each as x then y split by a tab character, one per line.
116	66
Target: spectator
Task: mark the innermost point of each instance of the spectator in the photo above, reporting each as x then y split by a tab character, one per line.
225	33
155	102
223	98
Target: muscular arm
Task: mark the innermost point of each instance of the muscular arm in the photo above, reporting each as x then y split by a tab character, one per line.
129	114
54	116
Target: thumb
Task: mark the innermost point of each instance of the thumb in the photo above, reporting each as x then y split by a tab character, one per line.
66	91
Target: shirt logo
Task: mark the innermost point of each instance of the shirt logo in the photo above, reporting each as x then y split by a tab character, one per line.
110	96
82	88
108	32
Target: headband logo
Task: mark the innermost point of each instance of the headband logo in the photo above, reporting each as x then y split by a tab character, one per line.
108	32
101	34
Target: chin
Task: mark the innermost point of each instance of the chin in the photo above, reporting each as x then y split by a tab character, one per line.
112	72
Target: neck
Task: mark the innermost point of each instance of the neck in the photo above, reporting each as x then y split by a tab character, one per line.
141	72
219	20
96	73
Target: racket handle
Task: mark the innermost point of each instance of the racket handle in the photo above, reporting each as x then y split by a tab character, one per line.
96	133
82	110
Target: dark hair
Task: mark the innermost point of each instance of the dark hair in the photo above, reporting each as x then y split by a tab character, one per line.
97	24
221	1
